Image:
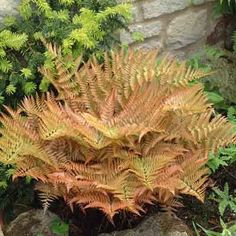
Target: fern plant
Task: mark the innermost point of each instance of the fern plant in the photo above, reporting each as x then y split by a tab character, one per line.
80	27
227	230
225	199
116	136
221	82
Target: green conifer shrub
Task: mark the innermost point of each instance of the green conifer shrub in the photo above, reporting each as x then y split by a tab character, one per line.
78	26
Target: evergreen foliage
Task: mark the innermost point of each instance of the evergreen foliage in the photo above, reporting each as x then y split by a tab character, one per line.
79	26
225	7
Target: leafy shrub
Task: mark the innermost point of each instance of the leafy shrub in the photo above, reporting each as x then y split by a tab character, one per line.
224	198
225	157
220	83
118	135
86	27
220	87
226	201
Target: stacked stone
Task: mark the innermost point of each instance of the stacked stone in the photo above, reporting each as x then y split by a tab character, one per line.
179	26
8	8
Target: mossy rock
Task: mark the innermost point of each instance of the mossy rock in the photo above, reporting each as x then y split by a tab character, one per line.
32	223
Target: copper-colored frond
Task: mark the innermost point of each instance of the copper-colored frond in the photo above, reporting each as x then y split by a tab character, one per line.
118	135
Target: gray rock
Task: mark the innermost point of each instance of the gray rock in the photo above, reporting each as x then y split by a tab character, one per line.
8	8
159	7
198	2
32	223
136	13
147	29
186	29
150	44
162	224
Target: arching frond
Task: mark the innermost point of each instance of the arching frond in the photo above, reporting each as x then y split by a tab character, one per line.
118	135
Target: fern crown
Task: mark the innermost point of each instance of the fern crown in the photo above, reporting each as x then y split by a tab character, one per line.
116	136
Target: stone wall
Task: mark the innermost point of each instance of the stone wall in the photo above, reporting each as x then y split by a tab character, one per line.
8	7
177	26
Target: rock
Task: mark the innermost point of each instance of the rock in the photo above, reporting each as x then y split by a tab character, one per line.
198	2
136	13
159	7
32	223
162	224
150	44
8	8
147	29
186	29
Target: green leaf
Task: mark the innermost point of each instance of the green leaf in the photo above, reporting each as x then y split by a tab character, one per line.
10	172
232	206
209	232
5	65
9	21
195	229
233	229
216	161
29	87
28	179
1	99
222	223
44	85
59	227
222	206
138	37
12	40
26	72
214	97
10	89
38	35
226	189
3	184
231	113
67	2
214	52
220	193
25	9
